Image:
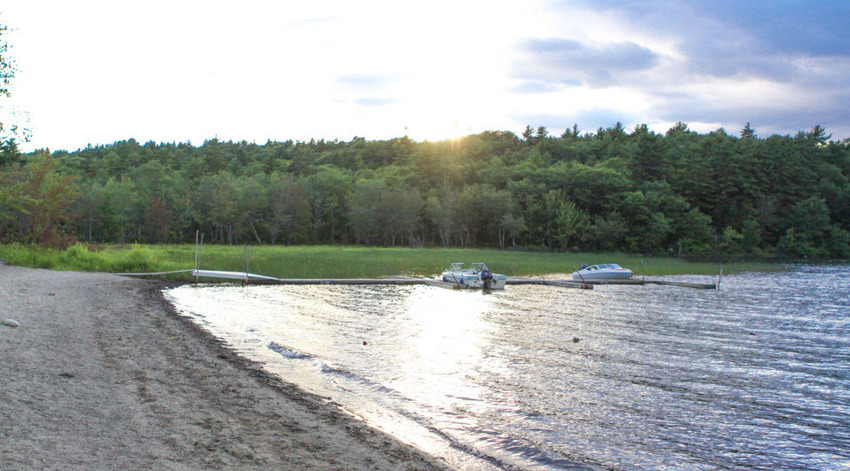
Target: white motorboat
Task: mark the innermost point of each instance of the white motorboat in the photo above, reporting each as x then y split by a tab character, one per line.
476	276
606	271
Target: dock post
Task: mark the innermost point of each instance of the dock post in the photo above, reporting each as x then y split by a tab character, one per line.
197	260
247	261
579	275
200	254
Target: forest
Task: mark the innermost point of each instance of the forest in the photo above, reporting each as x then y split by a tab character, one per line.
680	193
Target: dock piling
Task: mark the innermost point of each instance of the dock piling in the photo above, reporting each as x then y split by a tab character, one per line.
247	262
719	278
197	258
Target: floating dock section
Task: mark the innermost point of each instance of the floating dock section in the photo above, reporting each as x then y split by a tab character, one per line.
589	284
537	281
655	282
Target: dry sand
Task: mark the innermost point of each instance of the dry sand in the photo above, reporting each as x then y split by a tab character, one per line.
103	374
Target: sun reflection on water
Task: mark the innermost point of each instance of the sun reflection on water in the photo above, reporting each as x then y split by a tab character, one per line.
444	332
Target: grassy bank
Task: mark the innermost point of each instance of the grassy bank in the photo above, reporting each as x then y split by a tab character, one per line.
339	261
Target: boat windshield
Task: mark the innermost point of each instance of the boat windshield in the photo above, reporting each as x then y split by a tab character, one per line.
604	266
474	268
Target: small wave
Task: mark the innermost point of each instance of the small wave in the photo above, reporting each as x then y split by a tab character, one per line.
341	373
287	352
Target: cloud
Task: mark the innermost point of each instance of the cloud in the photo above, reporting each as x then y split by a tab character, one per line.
769	115
729	37
542	86
363	80
371	101
569	61
365	89
787	27
781	65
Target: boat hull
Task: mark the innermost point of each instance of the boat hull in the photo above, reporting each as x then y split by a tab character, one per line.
472	281
601	272
602	276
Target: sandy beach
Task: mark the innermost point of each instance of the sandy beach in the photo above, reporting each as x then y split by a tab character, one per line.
102	373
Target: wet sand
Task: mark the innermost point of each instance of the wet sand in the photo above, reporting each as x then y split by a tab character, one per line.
102	373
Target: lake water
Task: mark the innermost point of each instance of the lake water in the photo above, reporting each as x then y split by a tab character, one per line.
754	376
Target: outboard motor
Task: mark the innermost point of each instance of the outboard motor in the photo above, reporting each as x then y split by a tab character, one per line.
486	278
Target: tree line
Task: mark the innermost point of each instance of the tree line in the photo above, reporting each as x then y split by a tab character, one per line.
679	192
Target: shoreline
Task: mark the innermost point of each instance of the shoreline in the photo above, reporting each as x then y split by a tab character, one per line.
104	373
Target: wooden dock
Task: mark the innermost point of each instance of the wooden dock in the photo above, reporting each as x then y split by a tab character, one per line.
590	284
251	278
509	281
341	281
640	282
559	283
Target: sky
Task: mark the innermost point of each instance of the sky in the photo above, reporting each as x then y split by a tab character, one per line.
93	72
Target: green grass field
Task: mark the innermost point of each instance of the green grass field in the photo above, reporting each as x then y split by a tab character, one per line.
341	261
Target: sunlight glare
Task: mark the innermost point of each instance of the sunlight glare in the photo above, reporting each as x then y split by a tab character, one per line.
448	333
